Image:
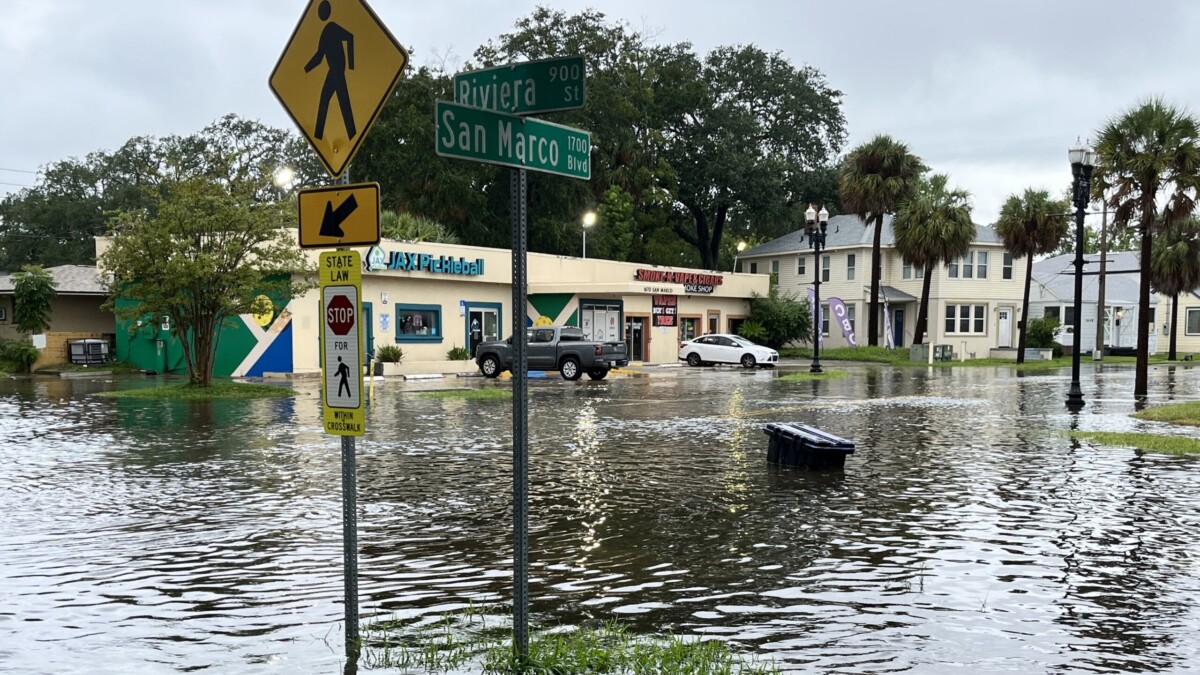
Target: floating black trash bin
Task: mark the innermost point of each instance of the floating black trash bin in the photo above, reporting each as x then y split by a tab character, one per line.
800	445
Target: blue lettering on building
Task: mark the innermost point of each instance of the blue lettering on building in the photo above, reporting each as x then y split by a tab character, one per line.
377	260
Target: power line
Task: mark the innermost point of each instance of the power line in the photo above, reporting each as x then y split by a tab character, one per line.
19	170
15	184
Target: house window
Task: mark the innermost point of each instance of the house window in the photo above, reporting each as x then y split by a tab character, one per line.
1051	313
953	267
418	323
1192	324
800	266
1069	316
910	272
774	267
965	319
3	314
850	316
981	265
968	261
1007	270
826	261
850	267
753	268
824	319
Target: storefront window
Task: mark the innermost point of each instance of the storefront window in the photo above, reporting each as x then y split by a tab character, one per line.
418	323
688	328
601	320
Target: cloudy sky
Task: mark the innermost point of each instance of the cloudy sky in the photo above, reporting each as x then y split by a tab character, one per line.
990	91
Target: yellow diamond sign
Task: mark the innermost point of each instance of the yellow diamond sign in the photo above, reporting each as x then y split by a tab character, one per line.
337	71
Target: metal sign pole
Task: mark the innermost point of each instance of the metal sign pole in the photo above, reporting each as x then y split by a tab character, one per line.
350	546
520	372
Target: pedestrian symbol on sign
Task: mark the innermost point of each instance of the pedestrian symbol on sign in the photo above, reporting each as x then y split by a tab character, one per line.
330	50
343	376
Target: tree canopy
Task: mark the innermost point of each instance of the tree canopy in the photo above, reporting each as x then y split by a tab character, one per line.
33	299
1031	224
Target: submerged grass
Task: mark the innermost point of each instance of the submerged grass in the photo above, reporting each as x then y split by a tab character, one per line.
805	377
191	392
1171	445
479	640
1177	413
485	394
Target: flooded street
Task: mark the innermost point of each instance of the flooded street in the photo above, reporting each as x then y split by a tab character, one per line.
967	531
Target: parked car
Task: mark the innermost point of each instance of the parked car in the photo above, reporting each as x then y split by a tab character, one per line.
562	348
725	348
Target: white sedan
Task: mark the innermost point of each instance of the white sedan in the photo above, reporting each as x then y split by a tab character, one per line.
724	348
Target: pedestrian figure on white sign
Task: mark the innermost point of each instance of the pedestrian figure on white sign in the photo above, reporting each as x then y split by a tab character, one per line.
343	375
329	49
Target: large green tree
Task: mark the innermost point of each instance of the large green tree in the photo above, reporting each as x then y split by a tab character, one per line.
875	178
1148	156
1175	267
1031	224
932	225
33	299
55	221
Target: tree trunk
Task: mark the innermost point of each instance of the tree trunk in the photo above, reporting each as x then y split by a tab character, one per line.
1174	324
1024	322
876	275
1140	383
921	330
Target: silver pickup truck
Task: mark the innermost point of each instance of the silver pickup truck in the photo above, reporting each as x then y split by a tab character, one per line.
562	348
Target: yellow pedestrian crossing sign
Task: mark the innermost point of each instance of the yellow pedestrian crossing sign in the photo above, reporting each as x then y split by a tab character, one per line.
334	76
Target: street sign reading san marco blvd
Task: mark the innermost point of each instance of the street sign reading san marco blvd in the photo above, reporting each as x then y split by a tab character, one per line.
340	51
524	88
520	142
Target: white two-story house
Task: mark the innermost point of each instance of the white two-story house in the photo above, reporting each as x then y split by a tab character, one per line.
974	302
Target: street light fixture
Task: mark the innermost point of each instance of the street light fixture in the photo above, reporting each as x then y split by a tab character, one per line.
815	225
589	219
740	247
1083	160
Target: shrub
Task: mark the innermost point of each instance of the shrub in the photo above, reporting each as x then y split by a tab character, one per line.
1041	333
1058	350
458	354
390	354
20	353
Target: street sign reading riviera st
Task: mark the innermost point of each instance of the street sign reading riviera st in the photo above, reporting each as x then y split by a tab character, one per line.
341	342
524	88
524	143
335	74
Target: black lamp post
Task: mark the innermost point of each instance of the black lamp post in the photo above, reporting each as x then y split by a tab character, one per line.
1083	159
815	225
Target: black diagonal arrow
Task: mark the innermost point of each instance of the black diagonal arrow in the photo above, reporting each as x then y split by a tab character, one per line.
331	224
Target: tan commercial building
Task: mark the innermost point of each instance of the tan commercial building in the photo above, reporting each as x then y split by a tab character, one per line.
430	298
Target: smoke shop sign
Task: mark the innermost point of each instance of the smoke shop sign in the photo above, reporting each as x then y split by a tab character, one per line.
377	260
664	308
693	282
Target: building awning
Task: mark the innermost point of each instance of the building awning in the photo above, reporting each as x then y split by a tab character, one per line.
890	294
614	288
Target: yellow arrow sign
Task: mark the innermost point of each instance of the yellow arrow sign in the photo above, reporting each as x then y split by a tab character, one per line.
339	215
335	74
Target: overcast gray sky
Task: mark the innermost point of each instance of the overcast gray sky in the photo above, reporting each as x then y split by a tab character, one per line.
990	91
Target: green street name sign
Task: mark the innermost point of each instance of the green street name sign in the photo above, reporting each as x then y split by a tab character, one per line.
524	88
524	143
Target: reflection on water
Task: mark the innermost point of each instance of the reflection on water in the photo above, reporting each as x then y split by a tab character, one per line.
966	531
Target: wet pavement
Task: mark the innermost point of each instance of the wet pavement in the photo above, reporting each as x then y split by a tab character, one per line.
967	531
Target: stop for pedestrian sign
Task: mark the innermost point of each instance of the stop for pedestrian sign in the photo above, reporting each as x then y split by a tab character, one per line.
339	314
341	342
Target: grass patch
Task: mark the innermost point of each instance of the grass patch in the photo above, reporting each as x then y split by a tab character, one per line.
806	377
113	367
868	354
190	392
484	394
1171	445
1177	413
465	640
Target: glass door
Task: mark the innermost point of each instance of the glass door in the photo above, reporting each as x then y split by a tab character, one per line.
635	337
483	325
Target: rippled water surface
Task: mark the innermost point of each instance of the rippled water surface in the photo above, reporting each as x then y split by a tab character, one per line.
967	531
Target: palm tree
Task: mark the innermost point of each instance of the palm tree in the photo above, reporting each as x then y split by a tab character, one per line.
875	177
1175	266
1031	224
407	227
933	225
1150	153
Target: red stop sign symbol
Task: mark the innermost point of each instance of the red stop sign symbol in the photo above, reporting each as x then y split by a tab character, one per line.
339	315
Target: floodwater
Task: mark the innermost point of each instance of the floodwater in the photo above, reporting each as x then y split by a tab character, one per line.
967	531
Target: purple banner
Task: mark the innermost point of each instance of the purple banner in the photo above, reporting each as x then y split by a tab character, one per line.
815	312
842	316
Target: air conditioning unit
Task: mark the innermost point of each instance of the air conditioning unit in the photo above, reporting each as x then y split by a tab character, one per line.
88	352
